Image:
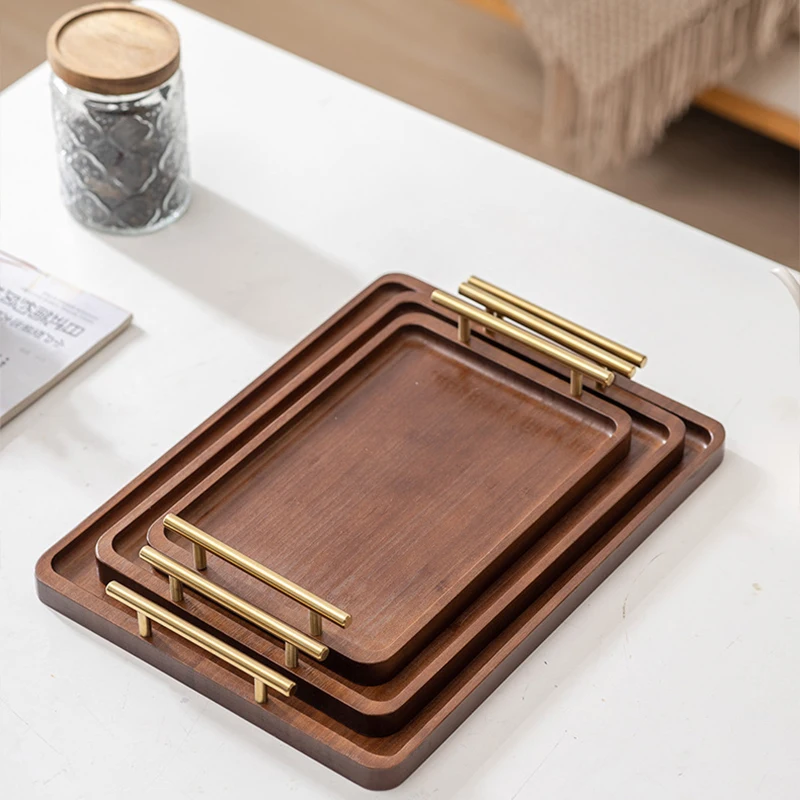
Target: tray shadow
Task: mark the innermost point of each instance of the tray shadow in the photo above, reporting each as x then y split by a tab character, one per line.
241	265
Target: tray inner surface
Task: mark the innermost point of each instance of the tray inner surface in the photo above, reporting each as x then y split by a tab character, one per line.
405	479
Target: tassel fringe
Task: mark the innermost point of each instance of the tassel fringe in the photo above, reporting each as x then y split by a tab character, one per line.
593	128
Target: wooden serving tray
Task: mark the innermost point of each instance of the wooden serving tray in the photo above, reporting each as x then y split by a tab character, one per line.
401	485
656	446
67	579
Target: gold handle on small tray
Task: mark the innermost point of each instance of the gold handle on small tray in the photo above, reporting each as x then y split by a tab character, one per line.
148	612
180	576
578	365
203	543
557	334
620	350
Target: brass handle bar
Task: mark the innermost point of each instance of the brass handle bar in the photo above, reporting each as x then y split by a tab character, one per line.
203	542
179	576
578	365
626	353
148	612
576	343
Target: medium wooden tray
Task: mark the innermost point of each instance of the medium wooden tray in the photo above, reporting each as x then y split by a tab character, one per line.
401	485
656	446
67	580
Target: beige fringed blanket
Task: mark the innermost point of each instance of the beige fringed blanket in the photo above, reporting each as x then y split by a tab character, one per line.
618	71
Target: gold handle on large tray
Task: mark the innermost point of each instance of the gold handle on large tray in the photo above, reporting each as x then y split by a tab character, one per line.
620	350
203	542
148	612
180	576
557	334
578	365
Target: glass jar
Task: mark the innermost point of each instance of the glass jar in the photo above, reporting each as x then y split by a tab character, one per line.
122	154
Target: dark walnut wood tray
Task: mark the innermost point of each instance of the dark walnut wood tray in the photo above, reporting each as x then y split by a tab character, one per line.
67	577
657	445
401	485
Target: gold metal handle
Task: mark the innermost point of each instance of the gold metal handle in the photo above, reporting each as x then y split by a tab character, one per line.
625	353
203	542
148	612
180	576
578	365
554	332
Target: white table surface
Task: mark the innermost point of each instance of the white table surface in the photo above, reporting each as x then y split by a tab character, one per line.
678	678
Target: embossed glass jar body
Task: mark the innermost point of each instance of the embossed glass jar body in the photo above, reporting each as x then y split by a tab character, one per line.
123	158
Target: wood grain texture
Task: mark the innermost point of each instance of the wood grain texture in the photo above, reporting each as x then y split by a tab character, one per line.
113	48
401	485
656	446
67	580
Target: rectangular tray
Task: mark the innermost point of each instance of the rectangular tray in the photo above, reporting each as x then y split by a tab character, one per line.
401	485
67	580
656	446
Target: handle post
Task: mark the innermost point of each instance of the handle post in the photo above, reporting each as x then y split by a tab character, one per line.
199	556
145	626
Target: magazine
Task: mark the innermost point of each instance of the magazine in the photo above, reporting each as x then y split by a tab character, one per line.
47	329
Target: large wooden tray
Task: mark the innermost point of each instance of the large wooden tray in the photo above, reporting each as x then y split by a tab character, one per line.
656	446
67	580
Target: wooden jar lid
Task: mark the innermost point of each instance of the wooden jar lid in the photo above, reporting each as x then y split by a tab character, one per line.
113	48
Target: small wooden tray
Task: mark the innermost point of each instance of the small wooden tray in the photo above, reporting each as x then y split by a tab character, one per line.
67	577
401	485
